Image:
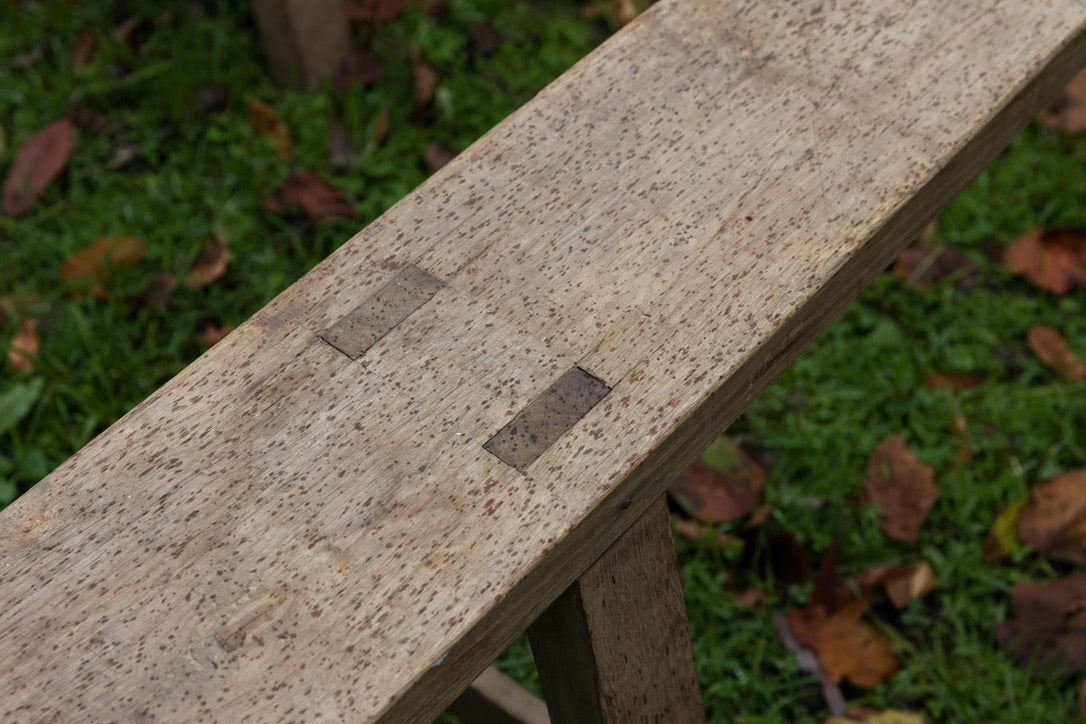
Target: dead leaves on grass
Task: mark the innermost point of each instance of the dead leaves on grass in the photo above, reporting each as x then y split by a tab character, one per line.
1047	628
846	647
1051	348
1053	260
320	200
1067	114
729	489
95	263
38	161
901	486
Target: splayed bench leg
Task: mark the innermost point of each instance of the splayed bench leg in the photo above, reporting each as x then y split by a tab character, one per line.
615	647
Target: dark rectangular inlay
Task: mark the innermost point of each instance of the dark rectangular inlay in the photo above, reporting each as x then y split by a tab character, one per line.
377	316
546	418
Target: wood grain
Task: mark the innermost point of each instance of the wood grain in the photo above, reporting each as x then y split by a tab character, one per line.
615	647
282	533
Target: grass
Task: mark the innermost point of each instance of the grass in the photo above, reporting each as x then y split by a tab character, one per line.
862	379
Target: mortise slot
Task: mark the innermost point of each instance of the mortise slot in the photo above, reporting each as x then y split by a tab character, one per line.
377	316
546	418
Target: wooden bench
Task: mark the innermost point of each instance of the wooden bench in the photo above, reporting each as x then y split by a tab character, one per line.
462	423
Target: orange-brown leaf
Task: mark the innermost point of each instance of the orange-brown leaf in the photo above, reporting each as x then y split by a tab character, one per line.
901	486
38	161
845	646
1055	260
717	494
97	261
1047	344
263	120
956	381
24	346
211	263
1054	521
214	333
1067	114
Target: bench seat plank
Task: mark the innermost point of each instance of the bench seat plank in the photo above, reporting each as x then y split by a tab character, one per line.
282	532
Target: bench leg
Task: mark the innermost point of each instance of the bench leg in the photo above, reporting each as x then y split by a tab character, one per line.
304	40
494	698
615	647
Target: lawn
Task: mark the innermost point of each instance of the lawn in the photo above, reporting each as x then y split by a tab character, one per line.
196	176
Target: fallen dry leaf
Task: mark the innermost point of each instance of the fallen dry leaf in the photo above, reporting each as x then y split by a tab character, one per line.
751	597
1055	260
210	264
788	559
623	11
727	491
341	150
437	155
213	333
84	49
424	83
1053	522
889	716
1067	114
96	262
956	381
923	265
807	661
381	125
483	38
264	121
845	646
696	532
1050	346
1048	624
901	486
158	292
24	345
38	161
914	582
320	199
1004	532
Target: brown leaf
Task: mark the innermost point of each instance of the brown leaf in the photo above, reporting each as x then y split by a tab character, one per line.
158	292
24	345
424	83
437	155
956	381
1047	344
341	149
901	486
211	98
696	532
845	647
213	333
38	161
728	491
263	120
751	597
623	10
1054	521
96	262
211	263
380	126
1055	260
923	265
1048	623
320	199
483	38
1067	114
84	49
915	582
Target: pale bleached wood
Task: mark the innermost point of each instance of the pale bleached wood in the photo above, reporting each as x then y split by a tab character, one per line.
304	41
615	647
494	698
282	533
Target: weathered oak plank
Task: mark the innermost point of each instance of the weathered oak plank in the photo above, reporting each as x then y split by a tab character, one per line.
615	646
282	532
